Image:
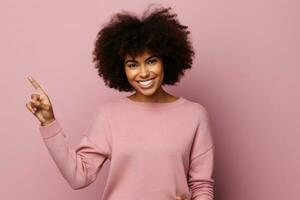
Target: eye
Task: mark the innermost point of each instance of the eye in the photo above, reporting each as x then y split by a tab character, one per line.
152	61
132	65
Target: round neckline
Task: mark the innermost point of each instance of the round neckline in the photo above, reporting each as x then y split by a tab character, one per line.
154	105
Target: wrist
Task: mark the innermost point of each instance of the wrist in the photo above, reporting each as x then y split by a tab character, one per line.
45	123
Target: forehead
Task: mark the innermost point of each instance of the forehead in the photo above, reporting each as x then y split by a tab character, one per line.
142	55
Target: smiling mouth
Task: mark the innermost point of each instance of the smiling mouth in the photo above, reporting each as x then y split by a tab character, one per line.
146	83
145	80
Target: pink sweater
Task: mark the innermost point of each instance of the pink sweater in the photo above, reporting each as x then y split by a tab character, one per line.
156	150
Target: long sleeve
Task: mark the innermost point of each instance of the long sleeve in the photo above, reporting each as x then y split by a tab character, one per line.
79	166
200	179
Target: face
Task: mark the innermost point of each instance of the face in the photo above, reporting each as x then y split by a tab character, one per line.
145	73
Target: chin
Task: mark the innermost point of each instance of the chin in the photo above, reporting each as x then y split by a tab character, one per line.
147	93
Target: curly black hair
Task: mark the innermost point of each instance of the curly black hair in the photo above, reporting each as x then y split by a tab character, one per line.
158	31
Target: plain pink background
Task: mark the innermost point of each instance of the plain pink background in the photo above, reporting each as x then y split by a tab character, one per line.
246	73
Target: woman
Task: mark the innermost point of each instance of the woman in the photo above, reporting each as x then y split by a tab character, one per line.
160	146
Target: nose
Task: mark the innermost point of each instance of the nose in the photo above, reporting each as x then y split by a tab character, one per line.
144	73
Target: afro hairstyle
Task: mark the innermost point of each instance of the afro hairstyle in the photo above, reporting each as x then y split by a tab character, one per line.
157	31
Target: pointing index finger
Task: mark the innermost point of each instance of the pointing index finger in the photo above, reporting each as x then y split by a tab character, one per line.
35	84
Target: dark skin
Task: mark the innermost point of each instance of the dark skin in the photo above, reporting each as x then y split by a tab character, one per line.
40	104
144	67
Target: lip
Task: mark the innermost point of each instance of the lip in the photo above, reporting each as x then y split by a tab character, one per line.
145	80
146	87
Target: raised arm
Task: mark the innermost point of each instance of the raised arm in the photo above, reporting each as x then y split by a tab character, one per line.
80	165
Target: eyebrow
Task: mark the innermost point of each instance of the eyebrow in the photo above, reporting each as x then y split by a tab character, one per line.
136	61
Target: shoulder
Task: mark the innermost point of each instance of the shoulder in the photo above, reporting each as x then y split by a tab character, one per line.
198	109
196	106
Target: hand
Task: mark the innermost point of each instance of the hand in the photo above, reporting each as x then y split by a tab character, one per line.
40	104
181	197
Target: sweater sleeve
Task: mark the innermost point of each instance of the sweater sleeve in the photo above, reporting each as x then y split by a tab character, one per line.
200	179
79	166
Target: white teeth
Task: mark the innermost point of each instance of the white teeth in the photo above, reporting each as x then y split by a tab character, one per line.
145	82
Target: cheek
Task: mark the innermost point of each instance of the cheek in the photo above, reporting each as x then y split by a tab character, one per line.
129	74
160	71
